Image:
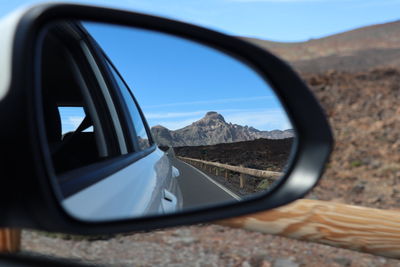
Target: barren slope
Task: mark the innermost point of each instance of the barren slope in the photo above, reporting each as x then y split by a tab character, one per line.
380	36
356	50
364	112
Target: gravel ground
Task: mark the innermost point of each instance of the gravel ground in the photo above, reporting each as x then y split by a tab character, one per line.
203	245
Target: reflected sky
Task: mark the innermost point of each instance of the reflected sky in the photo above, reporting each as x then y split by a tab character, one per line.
177	81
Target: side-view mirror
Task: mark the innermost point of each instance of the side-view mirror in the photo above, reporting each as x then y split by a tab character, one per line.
115	121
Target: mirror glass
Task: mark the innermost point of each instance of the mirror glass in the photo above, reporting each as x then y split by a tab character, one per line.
141	123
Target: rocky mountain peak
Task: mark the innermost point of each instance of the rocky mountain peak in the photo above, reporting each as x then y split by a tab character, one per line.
212	115
213	129
159	127
211	118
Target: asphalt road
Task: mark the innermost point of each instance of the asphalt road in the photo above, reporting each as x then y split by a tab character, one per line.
198	189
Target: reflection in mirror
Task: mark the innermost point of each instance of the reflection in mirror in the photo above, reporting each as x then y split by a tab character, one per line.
143	123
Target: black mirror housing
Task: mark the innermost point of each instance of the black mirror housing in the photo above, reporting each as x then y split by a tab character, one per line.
27	195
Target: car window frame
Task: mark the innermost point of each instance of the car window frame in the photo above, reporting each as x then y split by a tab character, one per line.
76	180
83	73
109	65
79	179
105	61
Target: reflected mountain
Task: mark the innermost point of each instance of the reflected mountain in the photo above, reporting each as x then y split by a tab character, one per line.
213	129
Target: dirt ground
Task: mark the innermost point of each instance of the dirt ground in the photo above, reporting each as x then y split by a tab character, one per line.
203	245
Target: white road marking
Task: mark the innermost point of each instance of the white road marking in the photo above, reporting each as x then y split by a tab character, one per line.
216	183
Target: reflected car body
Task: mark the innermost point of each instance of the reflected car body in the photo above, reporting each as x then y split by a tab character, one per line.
149	191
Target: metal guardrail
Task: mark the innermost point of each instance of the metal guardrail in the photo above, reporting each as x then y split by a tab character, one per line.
239	169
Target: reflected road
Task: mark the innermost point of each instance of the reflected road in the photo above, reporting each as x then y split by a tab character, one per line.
198	189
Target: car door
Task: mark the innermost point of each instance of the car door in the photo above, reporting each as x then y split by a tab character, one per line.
171	196
107	165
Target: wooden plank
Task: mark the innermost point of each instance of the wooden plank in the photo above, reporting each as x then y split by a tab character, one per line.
248	171
10	240
357	228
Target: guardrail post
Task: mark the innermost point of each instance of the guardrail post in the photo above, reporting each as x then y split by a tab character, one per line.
226	174
242	179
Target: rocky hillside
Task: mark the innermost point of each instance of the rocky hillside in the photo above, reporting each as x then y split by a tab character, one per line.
364	113
356	50
263	154
210	130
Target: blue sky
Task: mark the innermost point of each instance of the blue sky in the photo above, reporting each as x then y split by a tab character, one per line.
176	82
281	20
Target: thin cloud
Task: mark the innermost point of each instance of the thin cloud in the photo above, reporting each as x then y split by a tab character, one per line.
263	119
278	1
70	123
175	125
379	3
293	1
170	115
211	101
270	119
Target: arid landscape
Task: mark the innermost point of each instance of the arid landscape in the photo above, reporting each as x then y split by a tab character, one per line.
363	108
356	77
262	154
357	50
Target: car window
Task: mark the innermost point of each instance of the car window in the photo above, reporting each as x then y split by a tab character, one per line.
71	118
140	128
78	124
